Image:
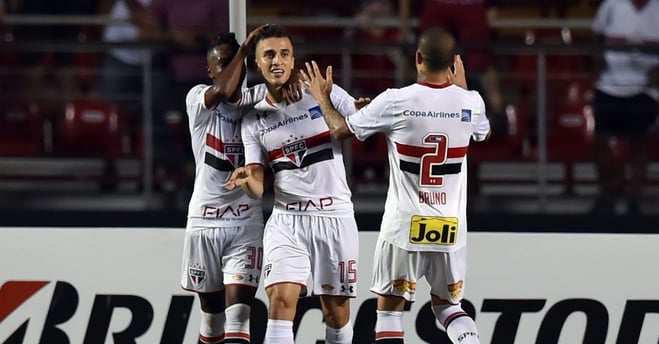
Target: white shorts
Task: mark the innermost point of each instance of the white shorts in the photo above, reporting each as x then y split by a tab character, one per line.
396	271
325	249
217	256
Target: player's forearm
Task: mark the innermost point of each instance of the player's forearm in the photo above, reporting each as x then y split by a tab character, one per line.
253	189
254	185
335	121
227	84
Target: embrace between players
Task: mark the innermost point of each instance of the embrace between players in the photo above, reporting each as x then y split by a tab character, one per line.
293	123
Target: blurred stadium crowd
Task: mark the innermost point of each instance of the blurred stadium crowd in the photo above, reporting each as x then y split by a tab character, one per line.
92	93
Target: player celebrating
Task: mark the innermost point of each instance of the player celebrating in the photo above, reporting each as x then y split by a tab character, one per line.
223	239
428	126
312	230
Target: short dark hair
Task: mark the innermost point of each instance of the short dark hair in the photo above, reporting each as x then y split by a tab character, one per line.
224	38
438	48
270	31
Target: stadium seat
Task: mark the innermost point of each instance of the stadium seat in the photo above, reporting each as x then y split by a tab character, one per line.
502	147
570	136
570	132
24	131
505	146
91	127
86	62
561	67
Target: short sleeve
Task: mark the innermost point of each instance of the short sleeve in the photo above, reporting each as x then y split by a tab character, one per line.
342	101
375	117
250	96
253	152
481	124
195	107
601	17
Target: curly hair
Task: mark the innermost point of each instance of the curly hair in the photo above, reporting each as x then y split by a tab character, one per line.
225	38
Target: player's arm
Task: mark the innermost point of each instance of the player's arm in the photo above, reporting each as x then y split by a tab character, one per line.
227	81
320	88
250	178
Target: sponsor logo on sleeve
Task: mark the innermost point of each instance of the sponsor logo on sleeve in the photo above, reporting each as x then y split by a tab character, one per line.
315	112
465	115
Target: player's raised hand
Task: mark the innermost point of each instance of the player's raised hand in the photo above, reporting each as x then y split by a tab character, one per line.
457	76
313	81
249	41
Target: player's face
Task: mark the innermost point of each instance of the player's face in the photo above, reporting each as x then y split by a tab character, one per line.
219	58
274	58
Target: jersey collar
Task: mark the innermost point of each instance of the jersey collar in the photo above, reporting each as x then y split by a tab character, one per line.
425	83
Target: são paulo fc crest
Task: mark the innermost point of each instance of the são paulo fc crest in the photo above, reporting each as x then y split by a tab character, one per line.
266	270
295	151
234	153
197	275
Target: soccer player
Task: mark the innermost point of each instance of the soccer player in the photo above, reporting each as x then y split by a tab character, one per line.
312	230
223	239
428	126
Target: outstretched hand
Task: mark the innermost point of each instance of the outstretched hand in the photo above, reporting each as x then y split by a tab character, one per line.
313	81
239	177
457	76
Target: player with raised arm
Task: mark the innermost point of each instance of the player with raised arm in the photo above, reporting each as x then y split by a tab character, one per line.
312	230
223	240
428	126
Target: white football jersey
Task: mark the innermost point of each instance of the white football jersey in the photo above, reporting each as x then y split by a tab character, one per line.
295	142
428	129
620	22
218	150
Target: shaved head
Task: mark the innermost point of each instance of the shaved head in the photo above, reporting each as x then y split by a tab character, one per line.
437	46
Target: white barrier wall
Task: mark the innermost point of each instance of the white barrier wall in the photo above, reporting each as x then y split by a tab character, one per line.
116	285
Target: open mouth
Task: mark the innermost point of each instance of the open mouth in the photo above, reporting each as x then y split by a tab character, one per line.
277	72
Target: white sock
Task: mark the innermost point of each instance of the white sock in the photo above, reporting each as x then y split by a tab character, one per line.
339	335
279	332
212	327
389	327
237	323
460	327
462	330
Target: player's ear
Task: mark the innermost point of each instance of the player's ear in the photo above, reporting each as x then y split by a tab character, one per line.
419	57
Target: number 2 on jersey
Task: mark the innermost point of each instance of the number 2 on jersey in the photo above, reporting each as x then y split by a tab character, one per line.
440	143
